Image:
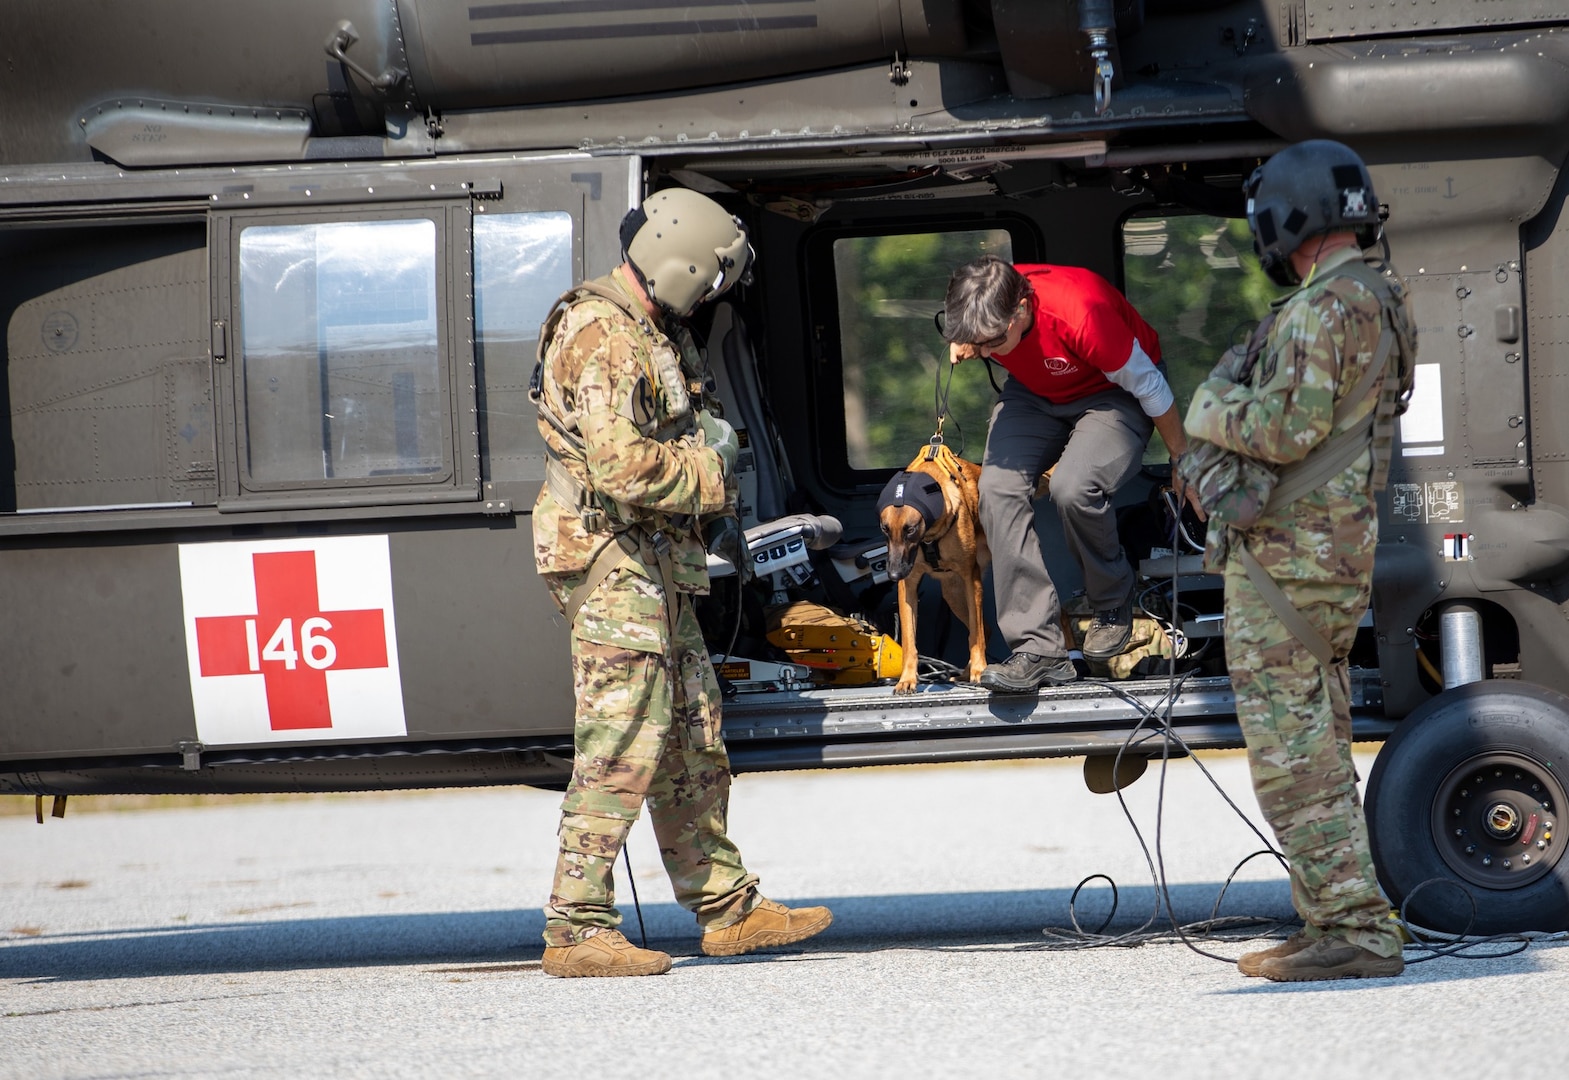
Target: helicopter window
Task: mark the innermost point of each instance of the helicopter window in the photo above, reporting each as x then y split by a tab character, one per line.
341	372
1195	280
889	288
522	263
105	386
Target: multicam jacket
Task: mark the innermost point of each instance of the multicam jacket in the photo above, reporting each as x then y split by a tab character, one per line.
618	382
1324	336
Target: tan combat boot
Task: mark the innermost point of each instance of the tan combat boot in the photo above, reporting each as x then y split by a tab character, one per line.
606	954
1331	958
1249	963
767	926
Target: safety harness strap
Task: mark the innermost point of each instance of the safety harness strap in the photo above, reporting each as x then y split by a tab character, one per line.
1396	387
565	487
618	548
1336	453
567	426
609	555
1281	604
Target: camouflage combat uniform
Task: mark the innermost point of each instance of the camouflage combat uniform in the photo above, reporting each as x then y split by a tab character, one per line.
1295	714
648	704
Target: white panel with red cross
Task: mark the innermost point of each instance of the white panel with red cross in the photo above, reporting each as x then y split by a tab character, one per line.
291	640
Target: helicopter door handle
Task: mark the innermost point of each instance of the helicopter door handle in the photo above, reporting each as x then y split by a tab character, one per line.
337	45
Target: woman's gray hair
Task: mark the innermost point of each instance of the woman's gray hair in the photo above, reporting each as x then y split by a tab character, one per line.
982	297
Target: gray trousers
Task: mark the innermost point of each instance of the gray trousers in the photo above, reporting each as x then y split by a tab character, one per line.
1096	443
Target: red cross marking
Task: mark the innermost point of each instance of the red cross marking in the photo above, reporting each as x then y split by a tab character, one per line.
290	641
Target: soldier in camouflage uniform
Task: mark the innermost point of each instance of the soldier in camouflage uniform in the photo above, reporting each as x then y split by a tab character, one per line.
1311	209
634	469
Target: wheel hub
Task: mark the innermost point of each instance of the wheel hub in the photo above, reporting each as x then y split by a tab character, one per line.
1502	821
1494	818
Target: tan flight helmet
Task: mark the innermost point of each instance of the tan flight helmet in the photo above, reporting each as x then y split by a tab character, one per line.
685	248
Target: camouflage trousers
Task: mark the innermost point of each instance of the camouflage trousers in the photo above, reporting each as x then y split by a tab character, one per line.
1296	720
647	731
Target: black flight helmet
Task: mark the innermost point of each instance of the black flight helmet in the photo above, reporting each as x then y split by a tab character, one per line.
1306	190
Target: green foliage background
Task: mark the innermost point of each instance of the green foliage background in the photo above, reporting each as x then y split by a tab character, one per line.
1196	281
1193	278
890	287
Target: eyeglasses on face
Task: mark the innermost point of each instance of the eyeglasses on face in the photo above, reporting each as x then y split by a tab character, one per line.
940	319
992	343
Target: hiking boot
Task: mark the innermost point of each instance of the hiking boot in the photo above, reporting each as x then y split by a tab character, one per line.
606	954
1024	672
1110	631
1249	963
767	926
1331	958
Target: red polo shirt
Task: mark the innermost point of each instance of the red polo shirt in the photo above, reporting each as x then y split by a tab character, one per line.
1085	338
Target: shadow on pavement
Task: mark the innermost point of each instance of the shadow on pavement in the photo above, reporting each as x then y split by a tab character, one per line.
861	923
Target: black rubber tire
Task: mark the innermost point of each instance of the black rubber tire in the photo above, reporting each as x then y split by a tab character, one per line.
1494	722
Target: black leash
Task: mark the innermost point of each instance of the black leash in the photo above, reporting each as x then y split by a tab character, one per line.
940	394
940	399
642	930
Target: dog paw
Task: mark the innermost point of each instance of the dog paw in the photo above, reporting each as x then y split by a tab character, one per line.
904	686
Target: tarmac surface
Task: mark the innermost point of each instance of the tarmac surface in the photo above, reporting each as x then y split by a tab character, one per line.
398	935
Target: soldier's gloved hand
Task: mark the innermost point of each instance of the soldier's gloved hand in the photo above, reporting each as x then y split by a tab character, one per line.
722	536
720	436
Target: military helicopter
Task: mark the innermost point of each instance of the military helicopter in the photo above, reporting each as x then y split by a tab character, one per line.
271	278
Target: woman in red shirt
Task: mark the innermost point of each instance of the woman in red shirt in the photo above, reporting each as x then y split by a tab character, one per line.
1084	394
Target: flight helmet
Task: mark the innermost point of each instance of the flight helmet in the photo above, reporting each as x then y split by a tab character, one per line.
1307	190
685	248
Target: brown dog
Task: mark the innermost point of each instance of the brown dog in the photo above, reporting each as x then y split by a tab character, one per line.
930	515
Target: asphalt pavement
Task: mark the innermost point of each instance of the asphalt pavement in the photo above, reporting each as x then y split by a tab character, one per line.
398	935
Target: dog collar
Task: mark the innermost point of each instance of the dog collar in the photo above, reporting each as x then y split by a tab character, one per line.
917	490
